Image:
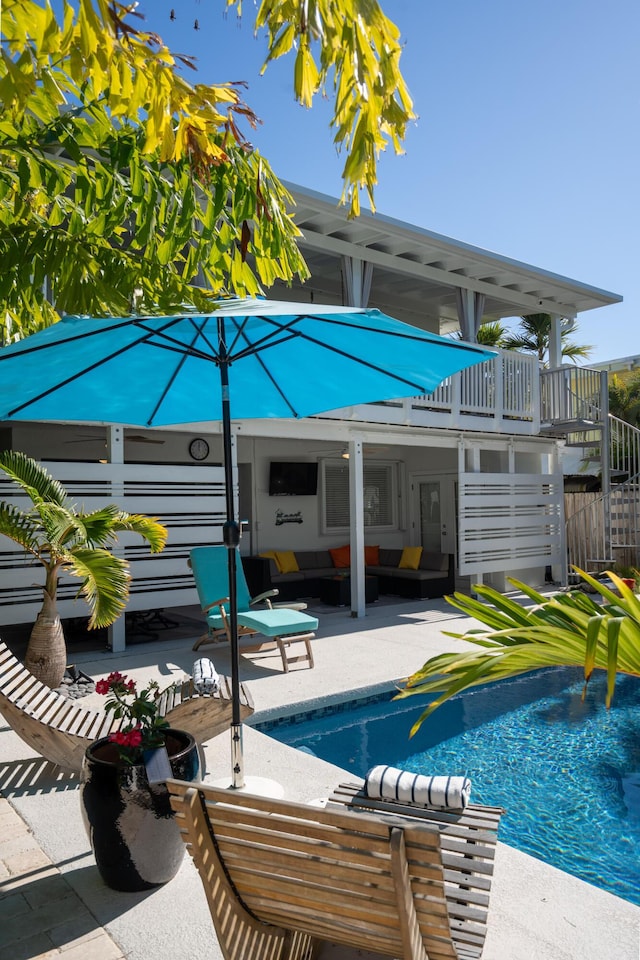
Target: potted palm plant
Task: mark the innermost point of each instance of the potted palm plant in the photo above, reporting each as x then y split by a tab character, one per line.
64	539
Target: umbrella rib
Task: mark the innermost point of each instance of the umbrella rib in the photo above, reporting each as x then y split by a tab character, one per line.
149	333
336	350
265	369
186	352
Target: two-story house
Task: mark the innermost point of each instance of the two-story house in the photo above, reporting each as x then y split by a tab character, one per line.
472	470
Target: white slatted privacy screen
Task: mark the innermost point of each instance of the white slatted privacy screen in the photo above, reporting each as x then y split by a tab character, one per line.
189	501
509	522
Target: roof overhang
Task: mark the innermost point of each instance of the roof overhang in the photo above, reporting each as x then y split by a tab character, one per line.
416	272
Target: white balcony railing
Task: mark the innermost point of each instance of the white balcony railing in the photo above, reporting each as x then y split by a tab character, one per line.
499	395
573	394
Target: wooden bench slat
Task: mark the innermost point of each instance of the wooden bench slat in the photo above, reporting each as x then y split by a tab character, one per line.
61	729
375	881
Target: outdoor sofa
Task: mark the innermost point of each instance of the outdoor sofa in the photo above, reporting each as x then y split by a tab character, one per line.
405	572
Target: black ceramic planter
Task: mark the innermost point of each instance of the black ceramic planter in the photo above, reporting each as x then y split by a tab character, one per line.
131	827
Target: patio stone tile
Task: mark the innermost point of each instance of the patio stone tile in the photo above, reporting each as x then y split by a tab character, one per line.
80	929
27	861
46	890
14	878
41	920
100	947
20	843
37	947
12	906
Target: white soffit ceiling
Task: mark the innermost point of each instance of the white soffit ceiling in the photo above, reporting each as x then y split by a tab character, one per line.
416	271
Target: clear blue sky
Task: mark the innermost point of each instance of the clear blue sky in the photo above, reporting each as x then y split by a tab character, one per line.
527	142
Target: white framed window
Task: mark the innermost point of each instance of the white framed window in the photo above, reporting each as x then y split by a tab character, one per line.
380	495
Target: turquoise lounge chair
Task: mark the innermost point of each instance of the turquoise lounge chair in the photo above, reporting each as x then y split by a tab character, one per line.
282	626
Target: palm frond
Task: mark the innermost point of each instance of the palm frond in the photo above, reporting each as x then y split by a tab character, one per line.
19	527
150	528
105	583
61	525
566	629
32	477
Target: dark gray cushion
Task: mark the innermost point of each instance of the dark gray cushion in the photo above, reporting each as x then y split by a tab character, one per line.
434	561
287	578
389	557
319	572
307	559
324	559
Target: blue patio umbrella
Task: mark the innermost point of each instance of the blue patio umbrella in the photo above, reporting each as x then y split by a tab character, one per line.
274	359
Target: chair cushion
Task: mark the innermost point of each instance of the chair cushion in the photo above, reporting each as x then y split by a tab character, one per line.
389	557
273	557
278	622
372	556
341	556
410	558
308	559
286	560
434	561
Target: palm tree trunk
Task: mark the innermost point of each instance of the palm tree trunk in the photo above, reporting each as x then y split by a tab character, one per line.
46	655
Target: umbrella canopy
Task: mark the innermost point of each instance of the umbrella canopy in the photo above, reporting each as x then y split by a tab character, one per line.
274	359
287	360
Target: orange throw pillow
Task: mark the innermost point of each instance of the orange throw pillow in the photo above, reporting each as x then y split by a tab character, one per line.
341	556
372	556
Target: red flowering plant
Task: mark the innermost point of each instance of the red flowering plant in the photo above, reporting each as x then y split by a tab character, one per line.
142	728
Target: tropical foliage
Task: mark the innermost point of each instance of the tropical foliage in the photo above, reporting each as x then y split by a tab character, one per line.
351	47
142	728
64	539
121	184
534	336
567	629
624	398
490	334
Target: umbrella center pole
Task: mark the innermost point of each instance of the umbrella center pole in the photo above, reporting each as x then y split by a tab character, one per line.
237	757
231	539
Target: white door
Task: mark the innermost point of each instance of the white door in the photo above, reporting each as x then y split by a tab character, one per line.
434	518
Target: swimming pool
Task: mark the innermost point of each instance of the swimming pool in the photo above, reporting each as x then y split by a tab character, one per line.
567	772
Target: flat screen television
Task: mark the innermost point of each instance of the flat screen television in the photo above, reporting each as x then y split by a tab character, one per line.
287	479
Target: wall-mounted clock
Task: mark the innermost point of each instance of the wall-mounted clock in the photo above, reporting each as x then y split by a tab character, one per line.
198	449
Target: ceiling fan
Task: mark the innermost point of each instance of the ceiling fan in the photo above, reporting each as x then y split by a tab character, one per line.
343	450
134	437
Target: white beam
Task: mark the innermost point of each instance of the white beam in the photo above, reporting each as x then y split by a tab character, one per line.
356	503
527	303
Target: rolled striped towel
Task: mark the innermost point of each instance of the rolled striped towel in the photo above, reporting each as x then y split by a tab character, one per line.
205	676
390	783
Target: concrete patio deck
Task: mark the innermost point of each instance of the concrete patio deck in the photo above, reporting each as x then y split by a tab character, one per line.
53	903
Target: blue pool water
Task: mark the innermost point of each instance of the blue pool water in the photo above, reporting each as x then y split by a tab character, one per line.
567	772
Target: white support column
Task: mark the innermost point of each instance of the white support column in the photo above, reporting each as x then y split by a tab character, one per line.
555	342
470	306
474	467
116	634
356	502
357	276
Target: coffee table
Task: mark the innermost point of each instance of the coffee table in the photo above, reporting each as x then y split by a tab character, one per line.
336	591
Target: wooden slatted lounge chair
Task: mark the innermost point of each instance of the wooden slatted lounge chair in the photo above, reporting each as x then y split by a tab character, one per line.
468	842
61	729
281	627
281	878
